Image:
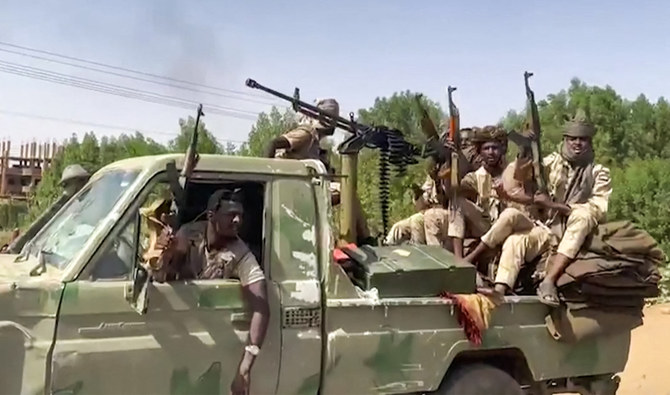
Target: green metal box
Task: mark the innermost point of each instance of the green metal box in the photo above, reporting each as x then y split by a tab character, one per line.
411	271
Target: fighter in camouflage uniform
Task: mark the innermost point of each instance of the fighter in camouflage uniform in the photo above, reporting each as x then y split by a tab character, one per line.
579	192
479	201
411	229
212	249
304	142
436	219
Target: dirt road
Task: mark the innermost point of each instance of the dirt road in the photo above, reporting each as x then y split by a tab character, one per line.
648	368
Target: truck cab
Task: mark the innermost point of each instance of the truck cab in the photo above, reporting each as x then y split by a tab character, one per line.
79	316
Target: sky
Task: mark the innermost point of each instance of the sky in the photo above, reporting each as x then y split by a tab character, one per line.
354	51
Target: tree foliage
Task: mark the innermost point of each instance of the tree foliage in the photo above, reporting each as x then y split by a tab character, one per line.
267	127
641	194
626	130
207	143
92	154
400	112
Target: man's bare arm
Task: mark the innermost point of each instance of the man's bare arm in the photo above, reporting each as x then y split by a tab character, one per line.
255	295
279	142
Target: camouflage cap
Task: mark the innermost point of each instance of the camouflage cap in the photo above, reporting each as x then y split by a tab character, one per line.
72	172
579	126
329	106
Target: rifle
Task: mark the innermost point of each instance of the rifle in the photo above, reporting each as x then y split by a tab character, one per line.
434	147
530	146
454	129
391	143
179	187
160	261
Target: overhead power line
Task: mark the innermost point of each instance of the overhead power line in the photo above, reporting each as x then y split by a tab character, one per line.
118	90
167	84
244	93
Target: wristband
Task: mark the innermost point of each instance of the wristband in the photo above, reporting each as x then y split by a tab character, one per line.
252	349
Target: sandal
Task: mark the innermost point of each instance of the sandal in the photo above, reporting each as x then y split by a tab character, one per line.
548	294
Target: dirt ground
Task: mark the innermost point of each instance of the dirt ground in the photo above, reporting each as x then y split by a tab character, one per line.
648	368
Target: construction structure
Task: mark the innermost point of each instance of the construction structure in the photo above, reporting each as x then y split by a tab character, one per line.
20	175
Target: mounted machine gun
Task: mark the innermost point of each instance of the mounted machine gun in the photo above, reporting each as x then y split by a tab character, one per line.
393	148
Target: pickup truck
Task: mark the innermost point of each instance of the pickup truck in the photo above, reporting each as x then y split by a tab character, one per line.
77	316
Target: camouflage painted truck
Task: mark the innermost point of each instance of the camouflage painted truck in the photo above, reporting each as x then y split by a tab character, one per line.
77	316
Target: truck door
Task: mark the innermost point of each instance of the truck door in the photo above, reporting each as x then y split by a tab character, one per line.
297	243
174	338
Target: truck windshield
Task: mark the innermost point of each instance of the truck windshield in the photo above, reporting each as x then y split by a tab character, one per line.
66	235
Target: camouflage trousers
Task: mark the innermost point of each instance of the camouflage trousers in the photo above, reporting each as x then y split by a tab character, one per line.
436	225
523	239
410	229
580	223
468	221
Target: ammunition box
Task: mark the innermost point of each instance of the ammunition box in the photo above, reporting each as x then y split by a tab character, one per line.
411	271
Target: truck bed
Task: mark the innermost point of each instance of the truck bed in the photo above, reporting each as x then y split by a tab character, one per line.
400	345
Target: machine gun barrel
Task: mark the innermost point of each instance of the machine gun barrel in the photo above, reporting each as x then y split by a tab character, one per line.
306	108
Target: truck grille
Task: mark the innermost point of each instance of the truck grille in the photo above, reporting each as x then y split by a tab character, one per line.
298	317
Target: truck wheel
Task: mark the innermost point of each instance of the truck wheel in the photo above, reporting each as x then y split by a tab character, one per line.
479	379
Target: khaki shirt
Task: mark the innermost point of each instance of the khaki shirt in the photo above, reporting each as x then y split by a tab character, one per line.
234	261
303	143
481	182
560	174
512	185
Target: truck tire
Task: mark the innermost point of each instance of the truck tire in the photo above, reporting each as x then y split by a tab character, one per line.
479	379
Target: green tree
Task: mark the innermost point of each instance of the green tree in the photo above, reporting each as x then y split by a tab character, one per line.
641	194
128	146
231	149
267	127
92	155
400	112
626	130
207	143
